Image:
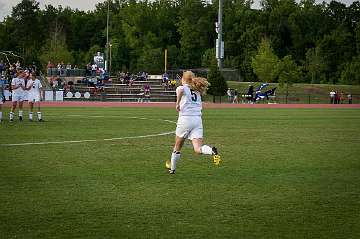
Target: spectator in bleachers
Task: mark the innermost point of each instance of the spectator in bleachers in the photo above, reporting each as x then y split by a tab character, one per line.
2	67
93	69
147	89
165	80
50	65
173	84
18	65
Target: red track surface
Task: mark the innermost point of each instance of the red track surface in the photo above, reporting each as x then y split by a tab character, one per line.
172	105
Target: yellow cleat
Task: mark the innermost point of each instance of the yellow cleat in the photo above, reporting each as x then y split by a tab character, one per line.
168	164
217	159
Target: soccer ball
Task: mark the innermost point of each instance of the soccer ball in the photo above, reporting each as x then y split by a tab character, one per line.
168	164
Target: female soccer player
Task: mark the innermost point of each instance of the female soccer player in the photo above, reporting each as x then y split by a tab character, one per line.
189	125
34	87
18	87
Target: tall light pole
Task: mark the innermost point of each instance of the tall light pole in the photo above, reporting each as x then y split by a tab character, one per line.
220	45
110	45
107	38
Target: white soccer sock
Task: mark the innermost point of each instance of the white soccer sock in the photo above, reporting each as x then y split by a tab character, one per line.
0	115
205	149
11	115
20	113
30	116
174	157
39	115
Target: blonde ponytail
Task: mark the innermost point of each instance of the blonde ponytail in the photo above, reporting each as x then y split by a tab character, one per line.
199	84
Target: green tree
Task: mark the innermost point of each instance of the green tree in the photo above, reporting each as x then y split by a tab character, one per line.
265	62
27	34
289	73
315	66
351	72
218	85
55	50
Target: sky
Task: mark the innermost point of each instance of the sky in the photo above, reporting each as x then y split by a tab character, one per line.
6	5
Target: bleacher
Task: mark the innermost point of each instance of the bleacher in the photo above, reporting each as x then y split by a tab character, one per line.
117	91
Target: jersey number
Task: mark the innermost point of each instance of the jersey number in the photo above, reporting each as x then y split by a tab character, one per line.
193	96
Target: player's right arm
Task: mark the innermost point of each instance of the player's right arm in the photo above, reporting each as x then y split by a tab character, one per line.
29	85
179	94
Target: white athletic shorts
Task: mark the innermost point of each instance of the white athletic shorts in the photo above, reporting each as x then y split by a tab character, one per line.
33	98
17	97
189	127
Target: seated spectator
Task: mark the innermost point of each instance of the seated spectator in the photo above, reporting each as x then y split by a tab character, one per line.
173	84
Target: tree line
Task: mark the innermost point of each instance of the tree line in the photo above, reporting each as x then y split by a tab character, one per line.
305	41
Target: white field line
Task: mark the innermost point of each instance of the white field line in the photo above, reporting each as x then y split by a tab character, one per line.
98	140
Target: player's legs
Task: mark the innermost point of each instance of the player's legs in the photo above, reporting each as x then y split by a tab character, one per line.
13	108
21	109
39	111
200	148
1	109
179	142
31	106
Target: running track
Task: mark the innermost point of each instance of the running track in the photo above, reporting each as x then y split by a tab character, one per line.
172	105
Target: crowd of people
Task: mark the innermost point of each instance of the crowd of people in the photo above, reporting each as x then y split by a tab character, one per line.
168	83
337	97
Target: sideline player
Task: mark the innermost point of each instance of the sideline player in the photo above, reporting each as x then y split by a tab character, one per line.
18	87
2	96
189	125
34	87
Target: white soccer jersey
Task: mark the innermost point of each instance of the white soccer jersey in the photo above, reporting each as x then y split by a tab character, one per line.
190	103
17	82
35	86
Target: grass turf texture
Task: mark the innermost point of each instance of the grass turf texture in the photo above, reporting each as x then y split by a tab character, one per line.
286	173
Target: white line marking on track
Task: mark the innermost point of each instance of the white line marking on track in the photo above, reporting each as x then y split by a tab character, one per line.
98	140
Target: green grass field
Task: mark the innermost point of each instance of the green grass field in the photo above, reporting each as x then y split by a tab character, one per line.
286	173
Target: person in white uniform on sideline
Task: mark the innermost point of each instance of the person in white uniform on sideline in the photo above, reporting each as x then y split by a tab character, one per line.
18	88
34	88
189	125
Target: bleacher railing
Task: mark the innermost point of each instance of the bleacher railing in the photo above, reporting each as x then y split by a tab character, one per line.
66	72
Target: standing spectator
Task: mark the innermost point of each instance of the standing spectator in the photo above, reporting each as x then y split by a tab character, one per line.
349	96
147	92
2	96
93	69
337	97
68	69
50	65
250	94
332	97
59	68
229	94
235	100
